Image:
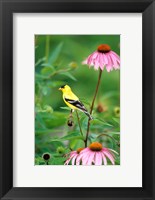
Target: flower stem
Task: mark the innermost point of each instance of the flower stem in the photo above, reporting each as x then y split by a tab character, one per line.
92	105
79	122
47	47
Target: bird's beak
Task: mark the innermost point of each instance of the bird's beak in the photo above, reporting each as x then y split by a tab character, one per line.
59	89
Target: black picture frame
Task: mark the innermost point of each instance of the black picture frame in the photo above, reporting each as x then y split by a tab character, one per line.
7	8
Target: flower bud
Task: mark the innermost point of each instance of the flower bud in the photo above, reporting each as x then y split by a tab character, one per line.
73	65
60	150
46	156
70	123
117	111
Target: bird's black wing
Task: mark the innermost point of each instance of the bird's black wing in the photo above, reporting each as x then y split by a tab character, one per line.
76	103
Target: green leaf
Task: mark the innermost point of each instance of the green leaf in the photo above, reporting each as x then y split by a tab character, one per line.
114	133
39	76
55	54
92	137
83	100
101	121
40	121
75	144
57	161
47	71
43	131
45	91
65	108
54	84
71	136
69	75
55	119
110	95
117	120
40	61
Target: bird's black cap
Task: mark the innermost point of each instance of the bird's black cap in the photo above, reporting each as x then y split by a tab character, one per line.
62	86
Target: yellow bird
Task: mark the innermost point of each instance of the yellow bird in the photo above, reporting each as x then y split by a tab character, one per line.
72	101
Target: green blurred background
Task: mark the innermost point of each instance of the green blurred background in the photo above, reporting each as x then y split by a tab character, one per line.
58	61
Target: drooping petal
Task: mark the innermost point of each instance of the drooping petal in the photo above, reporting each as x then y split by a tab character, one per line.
109	60
84	62
91	58
85	150
68	160
113	59
96	63
73	152
101	61
104	159
116	62
80	156
91	158
73	160
85	158
108	68
98	158
94	55
105	60
109	156
114	151
116	56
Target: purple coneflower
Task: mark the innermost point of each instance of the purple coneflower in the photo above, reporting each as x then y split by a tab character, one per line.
96	154
73	155
103	57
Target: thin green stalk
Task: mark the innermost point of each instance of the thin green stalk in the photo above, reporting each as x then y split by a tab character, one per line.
79	122
92	105
47	47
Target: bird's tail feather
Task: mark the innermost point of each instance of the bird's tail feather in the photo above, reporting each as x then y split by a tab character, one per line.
88	114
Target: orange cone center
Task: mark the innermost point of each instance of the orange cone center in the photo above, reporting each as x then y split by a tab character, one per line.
79	150
95	146
103	48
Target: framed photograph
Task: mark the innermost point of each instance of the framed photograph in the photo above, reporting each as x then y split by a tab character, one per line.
77	96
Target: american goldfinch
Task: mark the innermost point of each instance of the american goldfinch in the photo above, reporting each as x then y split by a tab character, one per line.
72	100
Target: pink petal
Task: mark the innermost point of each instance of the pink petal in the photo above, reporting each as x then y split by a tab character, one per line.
114	151
117	58
89	60
114	61
79	158
73	160
109	156
91	158
109	68
98	158
109	60
115	54
101	61
68	160
96	63
85	158
85	150
104	159
73	153
84	62
92	57
95	54
105	60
